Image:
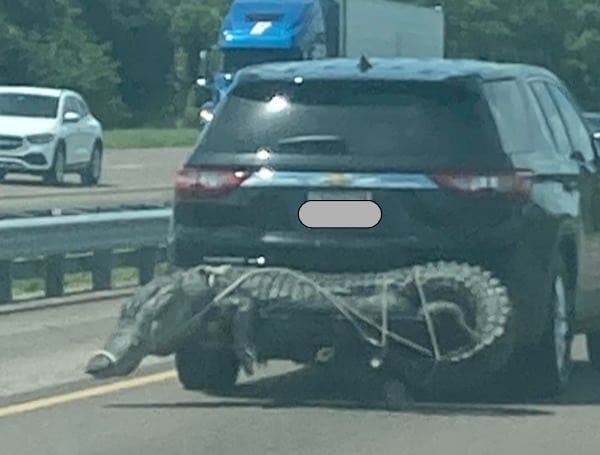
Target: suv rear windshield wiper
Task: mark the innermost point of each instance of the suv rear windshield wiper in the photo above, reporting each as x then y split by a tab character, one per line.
313	144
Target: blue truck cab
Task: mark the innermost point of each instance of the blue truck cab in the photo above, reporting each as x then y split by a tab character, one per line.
260	31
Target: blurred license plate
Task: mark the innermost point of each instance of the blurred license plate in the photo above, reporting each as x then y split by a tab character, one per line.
339	196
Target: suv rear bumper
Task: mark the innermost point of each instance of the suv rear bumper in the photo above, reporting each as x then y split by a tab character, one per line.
342	252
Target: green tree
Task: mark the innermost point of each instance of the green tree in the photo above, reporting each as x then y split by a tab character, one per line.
156	43
138	31
136	59
561	35
13	63
582	56
46	43
193	27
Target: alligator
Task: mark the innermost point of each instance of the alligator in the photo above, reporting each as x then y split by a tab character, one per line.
416	318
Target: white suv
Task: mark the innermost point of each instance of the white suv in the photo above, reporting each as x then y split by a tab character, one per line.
48	132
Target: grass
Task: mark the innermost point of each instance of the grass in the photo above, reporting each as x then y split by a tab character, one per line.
150	138
78	282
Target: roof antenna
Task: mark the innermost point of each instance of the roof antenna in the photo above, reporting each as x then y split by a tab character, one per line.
364	65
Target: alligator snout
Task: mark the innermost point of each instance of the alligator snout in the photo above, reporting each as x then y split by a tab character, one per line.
120	357
100	365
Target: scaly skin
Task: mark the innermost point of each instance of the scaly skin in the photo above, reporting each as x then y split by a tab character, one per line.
150	322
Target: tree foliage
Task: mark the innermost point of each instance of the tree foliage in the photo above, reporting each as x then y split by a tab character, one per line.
45	42
562	35
135	60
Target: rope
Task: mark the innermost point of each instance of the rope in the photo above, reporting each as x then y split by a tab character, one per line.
430	329
272	283
426	315
350	313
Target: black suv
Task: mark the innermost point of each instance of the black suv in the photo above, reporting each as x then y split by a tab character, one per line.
468	160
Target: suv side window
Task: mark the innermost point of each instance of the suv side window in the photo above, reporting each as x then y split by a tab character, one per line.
580	137
83	108
71	105
542	135
558	129
66	106
510	113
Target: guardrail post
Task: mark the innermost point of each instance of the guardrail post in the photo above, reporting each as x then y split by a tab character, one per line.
102	270
55	276
146	264
5	282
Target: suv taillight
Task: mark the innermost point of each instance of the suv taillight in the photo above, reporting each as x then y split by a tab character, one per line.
516	183
199	181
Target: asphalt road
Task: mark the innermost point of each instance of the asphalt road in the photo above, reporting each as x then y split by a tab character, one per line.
47	406
138	176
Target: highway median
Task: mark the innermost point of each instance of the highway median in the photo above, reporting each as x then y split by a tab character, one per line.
149	138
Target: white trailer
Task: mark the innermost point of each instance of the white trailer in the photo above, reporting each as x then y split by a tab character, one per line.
382	28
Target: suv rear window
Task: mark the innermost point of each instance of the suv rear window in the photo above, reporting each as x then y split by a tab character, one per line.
373	117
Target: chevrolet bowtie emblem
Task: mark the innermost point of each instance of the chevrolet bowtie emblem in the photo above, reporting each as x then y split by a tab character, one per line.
337	179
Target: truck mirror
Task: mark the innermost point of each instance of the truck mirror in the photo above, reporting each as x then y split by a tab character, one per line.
203	69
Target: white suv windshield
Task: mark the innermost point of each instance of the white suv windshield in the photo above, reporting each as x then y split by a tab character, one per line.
24	105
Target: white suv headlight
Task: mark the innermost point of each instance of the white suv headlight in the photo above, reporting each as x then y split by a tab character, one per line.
40	138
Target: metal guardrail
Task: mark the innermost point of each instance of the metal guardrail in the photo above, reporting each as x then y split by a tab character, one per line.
38	213
51	246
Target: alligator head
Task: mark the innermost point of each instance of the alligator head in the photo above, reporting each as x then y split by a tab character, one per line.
152	322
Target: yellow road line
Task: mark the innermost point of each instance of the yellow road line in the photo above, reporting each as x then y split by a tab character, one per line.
86	393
